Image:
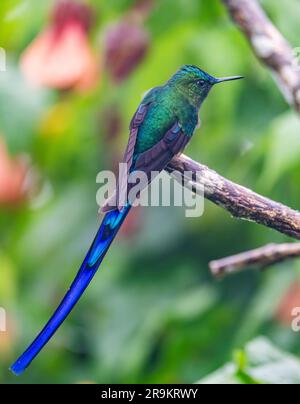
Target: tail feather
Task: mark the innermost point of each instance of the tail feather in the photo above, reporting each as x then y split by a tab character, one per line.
106	233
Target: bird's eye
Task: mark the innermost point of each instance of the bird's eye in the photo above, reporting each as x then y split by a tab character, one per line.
201	82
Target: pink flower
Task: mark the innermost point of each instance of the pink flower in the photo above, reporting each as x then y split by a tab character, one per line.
61	57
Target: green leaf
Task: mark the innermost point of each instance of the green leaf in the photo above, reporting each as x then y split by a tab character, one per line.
259	363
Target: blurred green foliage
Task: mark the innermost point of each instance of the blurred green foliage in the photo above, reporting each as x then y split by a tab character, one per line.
153	314
260	362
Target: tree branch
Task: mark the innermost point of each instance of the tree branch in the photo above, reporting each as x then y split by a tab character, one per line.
261	257
269	46
277	55
241	202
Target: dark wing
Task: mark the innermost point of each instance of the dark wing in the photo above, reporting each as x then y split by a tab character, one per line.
157	158
154	159
136	122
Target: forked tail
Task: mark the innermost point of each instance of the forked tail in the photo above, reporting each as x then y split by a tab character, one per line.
108	230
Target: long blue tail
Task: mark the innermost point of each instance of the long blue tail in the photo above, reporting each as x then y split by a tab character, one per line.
109	228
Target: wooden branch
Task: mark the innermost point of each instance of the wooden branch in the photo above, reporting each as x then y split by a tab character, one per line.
241	202
261	257
269	46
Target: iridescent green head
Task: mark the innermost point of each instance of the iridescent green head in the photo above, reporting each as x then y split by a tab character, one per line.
195	84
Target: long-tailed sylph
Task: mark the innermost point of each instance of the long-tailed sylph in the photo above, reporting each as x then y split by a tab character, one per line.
162	126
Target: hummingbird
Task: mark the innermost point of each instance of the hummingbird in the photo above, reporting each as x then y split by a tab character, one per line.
160	129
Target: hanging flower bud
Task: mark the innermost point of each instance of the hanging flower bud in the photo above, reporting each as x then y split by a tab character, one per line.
127	42
14	178
61	57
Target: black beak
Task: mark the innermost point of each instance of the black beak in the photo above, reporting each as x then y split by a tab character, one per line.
222	79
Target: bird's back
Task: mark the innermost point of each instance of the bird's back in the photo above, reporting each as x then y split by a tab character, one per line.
160	117
166	107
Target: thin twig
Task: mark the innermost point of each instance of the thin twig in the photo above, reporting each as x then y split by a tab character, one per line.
269	46
261	257
239	201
